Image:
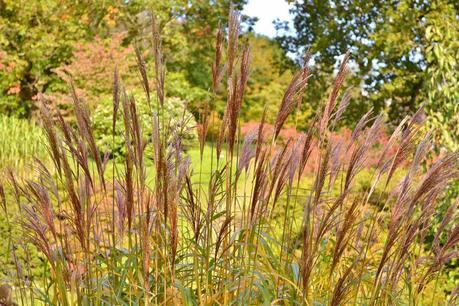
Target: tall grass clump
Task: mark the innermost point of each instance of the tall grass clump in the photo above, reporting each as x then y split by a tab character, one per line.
254	232
20	141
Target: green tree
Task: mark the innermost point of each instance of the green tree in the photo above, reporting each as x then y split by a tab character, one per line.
188	32
442	77
268	78
404	51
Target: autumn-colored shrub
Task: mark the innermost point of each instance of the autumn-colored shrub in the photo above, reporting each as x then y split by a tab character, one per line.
93	62
342	138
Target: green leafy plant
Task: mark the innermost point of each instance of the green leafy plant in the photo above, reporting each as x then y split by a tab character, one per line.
175	113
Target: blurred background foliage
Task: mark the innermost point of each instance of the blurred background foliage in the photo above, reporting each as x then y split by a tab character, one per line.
405	54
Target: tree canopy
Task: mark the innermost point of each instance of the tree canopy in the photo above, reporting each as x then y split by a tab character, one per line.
405	53
39	37
36	37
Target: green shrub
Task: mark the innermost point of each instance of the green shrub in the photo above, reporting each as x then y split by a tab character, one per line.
175	113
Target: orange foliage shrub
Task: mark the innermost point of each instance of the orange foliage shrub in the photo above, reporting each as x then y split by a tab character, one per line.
340	139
